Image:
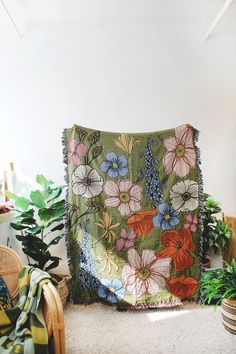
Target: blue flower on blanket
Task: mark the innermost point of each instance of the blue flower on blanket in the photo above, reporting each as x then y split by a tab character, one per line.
167	217
111	290
114	165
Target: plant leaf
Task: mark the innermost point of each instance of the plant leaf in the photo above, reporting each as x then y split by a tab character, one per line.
11	195
40	179
17	226
54	193
26	214
54	264
58	227
34	230
58	205
22	203
28	221
37	199
47	214
55	241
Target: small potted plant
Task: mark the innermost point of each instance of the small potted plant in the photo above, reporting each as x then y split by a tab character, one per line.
41	215
219	286
216	233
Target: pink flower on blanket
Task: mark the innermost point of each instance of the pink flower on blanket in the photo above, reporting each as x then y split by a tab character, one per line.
126	239
180	154
125	196
191	223
76	151
145	273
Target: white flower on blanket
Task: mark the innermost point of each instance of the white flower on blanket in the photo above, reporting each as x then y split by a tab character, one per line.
184	195
145	273
86	182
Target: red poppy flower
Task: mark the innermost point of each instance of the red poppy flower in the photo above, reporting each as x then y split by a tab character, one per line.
177	245
183	287
141	222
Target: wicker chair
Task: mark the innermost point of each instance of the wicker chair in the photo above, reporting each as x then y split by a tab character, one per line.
10	265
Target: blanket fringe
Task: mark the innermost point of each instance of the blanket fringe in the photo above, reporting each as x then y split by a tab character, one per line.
200	195
66	178
141	306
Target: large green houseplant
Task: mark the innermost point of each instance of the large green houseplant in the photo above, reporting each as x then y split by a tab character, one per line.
219	287
40	215
216	233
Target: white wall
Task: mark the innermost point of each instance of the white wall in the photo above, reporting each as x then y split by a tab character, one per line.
122	66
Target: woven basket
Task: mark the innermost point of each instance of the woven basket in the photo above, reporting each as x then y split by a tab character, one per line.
62	286
10	266
228	311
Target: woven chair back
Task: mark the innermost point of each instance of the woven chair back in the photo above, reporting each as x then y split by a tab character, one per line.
10	266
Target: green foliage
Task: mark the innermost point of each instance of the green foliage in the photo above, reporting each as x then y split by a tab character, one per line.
216	233
39	216
219	284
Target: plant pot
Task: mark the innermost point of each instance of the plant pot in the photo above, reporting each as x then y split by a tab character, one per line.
62	286
207	264
7	216
228	311
215	257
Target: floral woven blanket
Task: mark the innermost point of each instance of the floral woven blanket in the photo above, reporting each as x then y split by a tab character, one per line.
134	206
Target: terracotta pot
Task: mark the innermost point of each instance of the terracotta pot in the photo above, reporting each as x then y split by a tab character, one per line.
228	311
62	286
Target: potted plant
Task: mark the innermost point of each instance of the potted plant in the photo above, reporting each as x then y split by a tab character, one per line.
220	286
41	215
216	233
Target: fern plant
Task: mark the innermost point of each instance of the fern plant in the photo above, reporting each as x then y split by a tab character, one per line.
219	284
38	217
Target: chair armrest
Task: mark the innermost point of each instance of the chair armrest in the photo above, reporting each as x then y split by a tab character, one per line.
54	317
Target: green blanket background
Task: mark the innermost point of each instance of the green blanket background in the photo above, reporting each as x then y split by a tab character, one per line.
134	206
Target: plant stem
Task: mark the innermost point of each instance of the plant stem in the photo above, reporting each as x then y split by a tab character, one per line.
42	236
80	216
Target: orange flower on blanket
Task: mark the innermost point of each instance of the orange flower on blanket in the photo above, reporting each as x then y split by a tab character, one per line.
177	245
180	153
141	222
183	287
